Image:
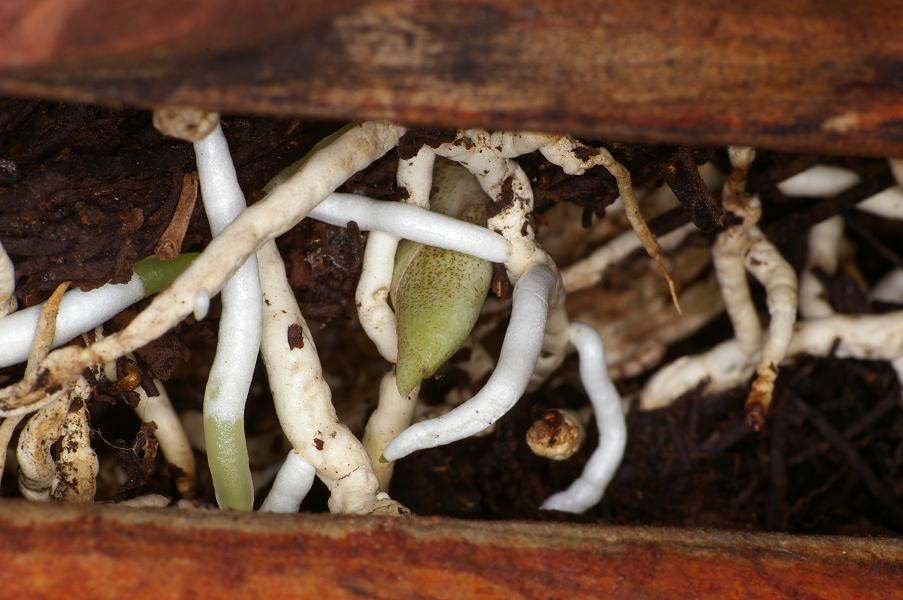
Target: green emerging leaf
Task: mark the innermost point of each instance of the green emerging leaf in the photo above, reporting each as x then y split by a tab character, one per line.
438	294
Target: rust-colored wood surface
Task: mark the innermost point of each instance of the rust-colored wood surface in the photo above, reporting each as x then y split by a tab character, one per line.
105	552
807	75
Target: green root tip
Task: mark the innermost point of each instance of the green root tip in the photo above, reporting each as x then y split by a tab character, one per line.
156	274
227	456
382	459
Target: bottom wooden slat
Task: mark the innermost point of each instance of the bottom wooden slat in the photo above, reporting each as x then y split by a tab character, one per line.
105	551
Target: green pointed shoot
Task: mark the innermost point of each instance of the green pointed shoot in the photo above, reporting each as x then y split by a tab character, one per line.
157	274
438	294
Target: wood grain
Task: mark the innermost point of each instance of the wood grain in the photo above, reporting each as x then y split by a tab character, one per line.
105	552
805	76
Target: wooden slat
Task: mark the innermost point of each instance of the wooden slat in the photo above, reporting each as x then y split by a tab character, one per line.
105	552
807	75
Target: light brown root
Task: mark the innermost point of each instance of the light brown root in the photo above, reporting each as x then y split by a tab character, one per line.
170	244
636	220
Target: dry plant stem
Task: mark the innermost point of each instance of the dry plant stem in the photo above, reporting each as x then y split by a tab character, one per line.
392	415
587	490
303	400
280	210
293	481
170	243
865	337
238	342
415	175
564	153
520	350
825	241
172	437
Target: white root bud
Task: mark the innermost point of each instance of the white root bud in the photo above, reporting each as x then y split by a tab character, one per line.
557	435
293	481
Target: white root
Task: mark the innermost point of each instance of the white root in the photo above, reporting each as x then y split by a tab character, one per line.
372	295
825	241
889	288
78	312
146	501
169	432
238	342
728	254
7	284
303	400
377	318
822	181
280	210
412	223
747	243
587	490
723	367
293	481
864	337
519	353
392	415
590	270
777	276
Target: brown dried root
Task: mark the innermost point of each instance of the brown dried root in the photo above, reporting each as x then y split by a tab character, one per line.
170	244
576	158
77	465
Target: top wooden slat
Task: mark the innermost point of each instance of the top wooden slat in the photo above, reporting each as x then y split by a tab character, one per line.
801	76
